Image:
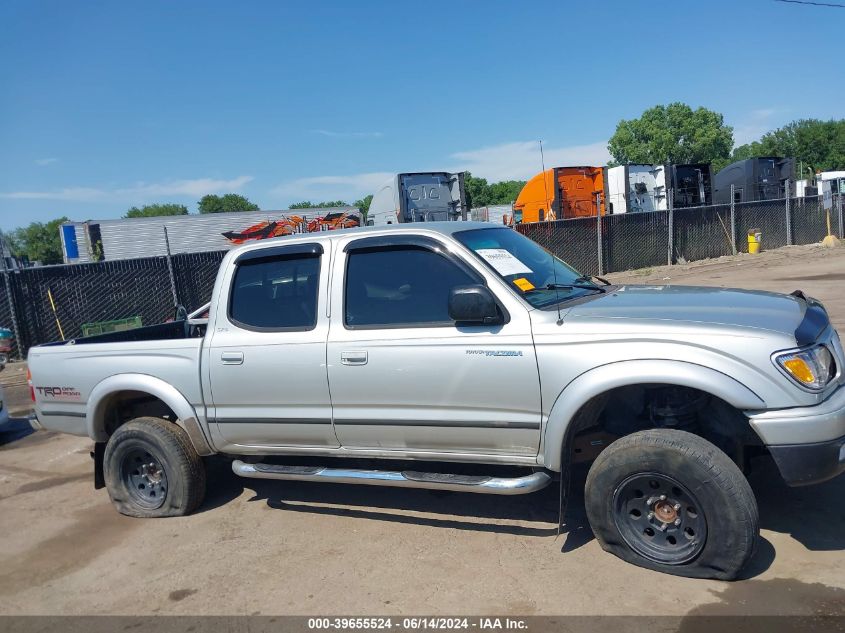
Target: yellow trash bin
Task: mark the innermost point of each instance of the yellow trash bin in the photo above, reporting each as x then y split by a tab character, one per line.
755	238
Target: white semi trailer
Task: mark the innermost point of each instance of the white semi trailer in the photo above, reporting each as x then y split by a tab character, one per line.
419	197
636	188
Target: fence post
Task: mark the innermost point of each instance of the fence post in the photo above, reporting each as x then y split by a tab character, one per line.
733	221
599	246
9	298
670	199
170	268
788	217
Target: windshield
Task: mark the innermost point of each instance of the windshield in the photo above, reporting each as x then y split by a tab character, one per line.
540	277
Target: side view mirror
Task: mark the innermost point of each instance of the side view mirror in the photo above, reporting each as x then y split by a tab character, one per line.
473	304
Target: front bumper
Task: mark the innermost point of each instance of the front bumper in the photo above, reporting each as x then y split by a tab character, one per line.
807	443
805	464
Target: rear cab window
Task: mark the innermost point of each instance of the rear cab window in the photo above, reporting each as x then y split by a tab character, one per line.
276	292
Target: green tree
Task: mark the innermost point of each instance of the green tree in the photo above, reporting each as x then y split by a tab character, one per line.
741	152
477	191
505	192
364	205
815	144
152	210
227	203
674	133
39	242
307	204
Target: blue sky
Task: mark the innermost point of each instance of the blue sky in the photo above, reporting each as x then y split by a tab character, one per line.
105	105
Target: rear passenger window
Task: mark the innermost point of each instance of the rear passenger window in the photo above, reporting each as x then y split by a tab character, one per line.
400	286
278	293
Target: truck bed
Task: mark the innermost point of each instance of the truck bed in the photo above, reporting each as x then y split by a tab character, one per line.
67	373
159	332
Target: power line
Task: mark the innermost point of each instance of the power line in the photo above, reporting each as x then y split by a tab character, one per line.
815	4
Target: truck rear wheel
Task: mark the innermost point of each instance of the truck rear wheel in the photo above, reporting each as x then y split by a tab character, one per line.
152	470
671	501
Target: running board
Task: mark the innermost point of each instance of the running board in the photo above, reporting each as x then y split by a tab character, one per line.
404	479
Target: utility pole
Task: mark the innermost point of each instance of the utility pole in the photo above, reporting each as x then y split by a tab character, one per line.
788	216
170	268
733	220
599	245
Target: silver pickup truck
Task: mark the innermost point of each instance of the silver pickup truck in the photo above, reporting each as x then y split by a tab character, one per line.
463	356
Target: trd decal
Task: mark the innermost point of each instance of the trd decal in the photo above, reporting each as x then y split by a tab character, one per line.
61	393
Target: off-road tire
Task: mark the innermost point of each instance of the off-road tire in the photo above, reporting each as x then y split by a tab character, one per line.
725	502
168	445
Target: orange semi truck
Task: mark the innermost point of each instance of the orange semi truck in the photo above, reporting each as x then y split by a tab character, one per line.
561	193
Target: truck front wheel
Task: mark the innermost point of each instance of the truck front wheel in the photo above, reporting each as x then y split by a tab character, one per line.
671	501
152	470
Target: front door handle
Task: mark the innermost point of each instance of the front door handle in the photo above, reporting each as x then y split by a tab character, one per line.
353	358
232	358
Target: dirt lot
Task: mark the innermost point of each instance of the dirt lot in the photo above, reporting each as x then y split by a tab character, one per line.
277	548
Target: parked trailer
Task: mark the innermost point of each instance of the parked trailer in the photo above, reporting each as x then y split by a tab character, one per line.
806	188
636	188
562	193
811	187
691	184
130	238
755	179
419	197
836	178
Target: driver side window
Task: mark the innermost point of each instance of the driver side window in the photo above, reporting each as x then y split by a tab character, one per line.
402	285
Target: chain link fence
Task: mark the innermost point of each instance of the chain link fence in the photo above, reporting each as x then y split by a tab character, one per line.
194	275
7	316
699	233
55	303
639	240
634	241
63	302
59	302
574	241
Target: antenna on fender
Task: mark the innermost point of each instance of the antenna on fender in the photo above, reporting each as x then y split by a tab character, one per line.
547	203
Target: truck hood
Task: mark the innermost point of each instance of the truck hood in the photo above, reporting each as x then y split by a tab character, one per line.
695	304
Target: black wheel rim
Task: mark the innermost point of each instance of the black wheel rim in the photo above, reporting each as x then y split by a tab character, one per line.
659	518
144	477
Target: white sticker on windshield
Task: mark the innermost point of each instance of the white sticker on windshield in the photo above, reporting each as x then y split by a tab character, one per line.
504	262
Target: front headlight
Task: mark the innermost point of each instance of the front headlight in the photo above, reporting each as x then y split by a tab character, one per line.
811	368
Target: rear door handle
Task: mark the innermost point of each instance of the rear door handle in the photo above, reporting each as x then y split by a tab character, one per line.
232	358
353	358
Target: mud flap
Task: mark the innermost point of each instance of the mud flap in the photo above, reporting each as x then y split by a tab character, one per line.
97	455
565	468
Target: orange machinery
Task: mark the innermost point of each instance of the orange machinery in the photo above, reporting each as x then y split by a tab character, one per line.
561	193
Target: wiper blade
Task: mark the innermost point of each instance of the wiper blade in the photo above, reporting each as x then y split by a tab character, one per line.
588	277
571	286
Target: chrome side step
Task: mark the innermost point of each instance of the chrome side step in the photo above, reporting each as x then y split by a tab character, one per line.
404	479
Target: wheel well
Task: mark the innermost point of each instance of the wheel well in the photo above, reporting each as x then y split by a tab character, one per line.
625	410
122	406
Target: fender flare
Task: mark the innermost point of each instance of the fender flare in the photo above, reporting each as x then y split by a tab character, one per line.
635	372
167	393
